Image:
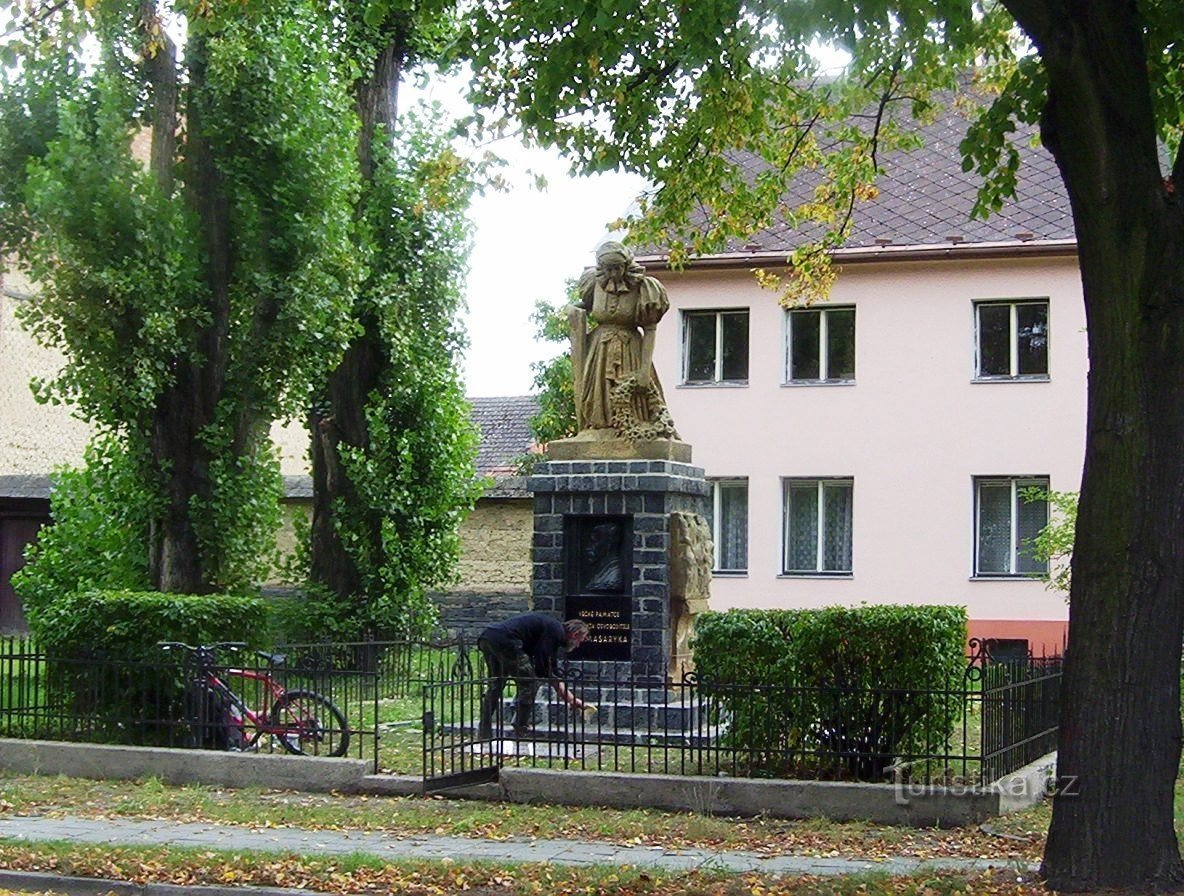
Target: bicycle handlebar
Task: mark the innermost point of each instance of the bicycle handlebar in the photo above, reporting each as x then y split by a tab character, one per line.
206	652
218	645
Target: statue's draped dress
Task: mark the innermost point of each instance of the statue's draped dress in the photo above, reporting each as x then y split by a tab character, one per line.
614	354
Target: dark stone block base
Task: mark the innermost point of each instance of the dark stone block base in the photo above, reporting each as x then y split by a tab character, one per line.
646	492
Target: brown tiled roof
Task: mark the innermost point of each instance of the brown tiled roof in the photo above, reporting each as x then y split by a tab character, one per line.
504	424
925	198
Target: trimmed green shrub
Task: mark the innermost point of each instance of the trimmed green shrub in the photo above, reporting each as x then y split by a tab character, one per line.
99	536
127	625
106	677
862	685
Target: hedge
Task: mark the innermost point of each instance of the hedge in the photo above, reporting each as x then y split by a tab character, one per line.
858	686
105	669
127	625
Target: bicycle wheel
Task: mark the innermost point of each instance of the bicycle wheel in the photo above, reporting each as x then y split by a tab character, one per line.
307	723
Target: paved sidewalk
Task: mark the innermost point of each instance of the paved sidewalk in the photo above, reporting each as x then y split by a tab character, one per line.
130	832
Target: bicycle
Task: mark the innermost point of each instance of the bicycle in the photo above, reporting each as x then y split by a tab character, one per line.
295	718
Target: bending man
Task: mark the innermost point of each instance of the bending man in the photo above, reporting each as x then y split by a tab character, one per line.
526	649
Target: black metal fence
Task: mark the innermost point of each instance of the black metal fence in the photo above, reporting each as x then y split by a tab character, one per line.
400	667
995	720
414	707
243	700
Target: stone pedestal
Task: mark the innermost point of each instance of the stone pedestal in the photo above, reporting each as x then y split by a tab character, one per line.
605	532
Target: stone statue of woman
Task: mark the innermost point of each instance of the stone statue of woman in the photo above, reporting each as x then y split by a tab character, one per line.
617	394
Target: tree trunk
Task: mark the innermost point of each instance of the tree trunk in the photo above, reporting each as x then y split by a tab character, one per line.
185	410
1120	733
174	557
340	420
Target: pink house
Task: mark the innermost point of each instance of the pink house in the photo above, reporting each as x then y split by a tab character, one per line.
874	447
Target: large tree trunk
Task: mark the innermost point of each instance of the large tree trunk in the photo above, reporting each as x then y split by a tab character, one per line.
340	420
174	557
185	410
1120	729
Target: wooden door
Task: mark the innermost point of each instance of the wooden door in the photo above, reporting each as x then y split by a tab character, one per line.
15	533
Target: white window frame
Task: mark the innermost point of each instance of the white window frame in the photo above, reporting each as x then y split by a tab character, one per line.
819	543
717	486
824	377
1016	483
718	361
1013	348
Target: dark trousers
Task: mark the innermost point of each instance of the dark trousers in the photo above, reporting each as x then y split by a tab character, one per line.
503	665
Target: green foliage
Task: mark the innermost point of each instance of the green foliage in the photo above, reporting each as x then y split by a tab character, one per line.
556	418
837	680
237	523
1054	544
672	90
28	122
318	616
422	30
98	539
120	282
127	625
284	136
105	666
415	479
198	294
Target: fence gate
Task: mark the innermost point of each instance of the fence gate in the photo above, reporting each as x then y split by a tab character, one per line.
453	754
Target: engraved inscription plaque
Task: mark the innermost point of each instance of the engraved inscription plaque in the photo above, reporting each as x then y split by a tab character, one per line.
598	580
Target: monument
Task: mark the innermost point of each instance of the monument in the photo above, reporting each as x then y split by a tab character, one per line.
620	538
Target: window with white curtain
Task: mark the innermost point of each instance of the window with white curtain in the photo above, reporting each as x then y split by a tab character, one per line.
1006	520
715	347
729	524
1011	340
818	518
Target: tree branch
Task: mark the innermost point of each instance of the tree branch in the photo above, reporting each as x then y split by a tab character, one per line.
160	62
42	16
1037	18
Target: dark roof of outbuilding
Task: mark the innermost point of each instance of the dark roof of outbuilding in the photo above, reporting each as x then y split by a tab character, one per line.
504	424
504	427
35	486
925	199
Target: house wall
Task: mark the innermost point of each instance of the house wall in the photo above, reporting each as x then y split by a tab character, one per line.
912	431
34	438
495	543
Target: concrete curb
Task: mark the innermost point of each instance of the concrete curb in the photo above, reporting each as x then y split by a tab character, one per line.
749	797
900	804
315	774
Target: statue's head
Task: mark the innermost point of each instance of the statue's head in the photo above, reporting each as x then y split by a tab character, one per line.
611	252
615	268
